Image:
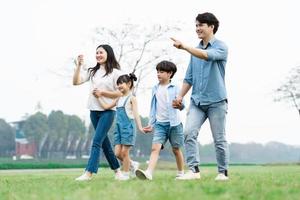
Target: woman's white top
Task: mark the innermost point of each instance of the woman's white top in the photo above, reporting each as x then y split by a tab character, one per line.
101	82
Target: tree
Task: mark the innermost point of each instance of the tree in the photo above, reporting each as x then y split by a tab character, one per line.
75	132
58	128
57	133
36	130
7	139
142	147
138	48
290	89
87	140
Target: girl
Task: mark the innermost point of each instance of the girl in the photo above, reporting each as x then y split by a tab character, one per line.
127	119
102	79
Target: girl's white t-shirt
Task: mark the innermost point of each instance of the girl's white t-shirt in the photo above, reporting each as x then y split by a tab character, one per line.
101	82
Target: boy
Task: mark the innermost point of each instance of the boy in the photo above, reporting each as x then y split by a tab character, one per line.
164	119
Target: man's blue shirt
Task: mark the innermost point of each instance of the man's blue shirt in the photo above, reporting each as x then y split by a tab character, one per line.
207	77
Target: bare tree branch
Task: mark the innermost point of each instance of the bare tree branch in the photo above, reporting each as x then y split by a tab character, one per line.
138	48
290	90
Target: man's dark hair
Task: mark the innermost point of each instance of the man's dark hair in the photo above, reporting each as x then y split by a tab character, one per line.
209	19
166	66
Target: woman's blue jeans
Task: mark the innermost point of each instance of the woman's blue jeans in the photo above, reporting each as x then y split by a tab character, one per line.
102	121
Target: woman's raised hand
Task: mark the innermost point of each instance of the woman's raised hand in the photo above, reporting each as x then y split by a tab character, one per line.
80	60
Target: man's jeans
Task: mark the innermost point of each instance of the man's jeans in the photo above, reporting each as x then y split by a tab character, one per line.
102	121
216	114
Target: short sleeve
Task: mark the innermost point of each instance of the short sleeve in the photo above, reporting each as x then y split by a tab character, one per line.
117	74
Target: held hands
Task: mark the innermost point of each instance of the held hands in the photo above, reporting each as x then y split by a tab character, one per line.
177	103
97	93
148	129
141	129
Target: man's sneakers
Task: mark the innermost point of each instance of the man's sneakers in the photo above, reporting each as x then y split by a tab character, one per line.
84	177
143	175
146	175
221	177
134	165
189	176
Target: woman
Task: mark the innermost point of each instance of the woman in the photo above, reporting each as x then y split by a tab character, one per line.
102	78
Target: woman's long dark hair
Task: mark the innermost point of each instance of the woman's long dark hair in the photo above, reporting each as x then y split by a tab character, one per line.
110	64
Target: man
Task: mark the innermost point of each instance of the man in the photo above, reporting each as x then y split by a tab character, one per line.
205	75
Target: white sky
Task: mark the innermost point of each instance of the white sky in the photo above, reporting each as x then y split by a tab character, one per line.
38	37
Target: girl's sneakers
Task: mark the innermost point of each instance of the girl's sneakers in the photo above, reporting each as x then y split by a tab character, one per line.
121	177
134	165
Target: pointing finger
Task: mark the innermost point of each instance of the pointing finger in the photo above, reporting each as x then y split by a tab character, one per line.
173	39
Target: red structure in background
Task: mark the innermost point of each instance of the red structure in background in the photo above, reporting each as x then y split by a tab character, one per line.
28	149
24	148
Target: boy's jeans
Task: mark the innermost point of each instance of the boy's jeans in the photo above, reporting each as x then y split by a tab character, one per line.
102	121
216	114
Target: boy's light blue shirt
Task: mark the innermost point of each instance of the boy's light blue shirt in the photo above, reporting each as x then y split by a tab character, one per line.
174	114
207	77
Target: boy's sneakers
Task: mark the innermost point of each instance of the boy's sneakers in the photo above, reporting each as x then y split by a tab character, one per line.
221	177
83	177
179	174
134	165
189	176
121	177
143	175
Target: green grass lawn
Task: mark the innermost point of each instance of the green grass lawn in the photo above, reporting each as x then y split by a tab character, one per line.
246	182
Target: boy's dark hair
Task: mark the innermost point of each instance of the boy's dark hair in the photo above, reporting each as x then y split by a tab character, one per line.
209	19
167	66
127	78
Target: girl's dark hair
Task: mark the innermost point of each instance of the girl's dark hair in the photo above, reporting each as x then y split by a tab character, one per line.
127	78
167	66
209	19
110	64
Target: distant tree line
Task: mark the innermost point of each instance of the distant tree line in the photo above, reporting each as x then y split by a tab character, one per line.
7	139
271	152
59	135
